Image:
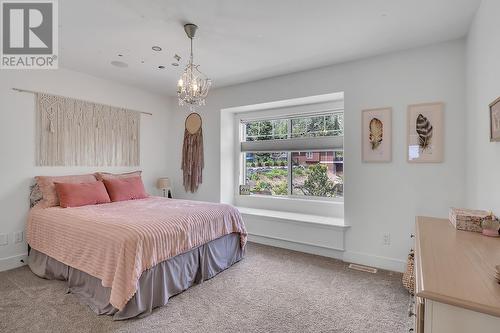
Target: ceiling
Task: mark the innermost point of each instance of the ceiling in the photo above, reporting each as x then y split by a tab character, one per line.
240	40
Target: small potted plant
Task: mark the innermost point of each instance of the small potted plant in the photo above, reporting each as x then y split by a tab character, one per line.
490	225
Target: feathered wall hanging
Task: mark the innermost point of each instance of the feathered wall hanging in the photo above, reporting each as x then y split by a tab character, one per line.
424	131
192	153
376	128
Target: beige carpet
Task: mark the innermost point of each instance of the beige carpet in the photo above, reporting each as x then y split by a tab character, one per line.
271	290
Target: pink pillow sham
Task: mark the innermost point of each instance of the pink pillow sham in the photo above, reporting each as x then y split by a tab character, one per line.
83	194
48	189
121	189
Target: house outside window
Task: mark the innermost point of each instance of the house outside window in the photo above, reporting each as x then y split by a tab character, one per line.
299	156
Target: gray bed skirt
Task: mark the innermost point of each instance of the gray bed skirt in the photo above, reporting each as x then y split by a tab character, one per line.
156	285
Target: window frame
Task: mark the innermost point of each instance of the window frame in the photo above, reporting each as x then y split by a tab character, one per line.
241	122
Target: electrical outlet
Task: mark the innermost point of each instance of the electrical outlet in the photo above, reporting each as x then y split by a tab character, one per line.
18	237
4	239
386	239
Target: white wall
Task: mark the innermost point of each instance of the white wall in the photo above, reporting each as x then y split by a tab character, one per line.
378	197
483	87
17	139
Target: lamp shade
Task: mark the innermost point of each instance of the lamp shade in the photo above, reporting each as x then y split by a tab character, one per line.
163	183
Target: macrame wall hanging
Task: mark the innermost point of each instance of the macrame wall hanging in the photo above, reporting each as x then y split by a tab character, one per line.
72	132
192	153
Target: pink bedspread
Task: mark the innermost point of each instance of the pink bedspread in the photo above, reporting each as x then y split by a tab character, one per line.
118	241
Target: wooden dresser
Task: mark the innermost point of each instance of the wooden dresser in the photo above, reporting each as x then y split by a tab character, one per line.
455	286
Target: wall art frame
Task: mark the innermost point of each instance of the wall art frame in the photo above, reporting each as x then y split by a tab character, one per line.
425	133
376	128
495	120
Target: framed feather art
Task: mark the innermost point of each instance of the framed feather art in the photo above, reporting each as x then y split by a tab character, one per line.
425	133
495	120
377	135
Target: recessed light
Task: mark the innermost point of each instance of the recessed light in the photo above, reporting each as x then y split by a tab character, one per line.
120	55
156	48
175	64
161	67
119	64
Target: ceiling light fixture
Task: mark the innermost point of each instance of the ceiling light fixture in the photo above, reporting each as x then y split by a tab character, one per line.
193	85
156	48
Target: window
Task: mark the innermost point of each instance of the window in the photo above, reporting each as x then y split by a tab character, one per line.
317	174
324	125
267	173
299	156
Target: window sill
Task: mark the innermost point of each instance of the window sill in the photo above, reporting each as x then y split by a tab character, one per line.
334	222
338	200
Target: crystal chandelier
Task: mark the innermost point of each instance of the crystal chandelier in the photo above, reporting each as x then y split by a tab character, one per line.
193	85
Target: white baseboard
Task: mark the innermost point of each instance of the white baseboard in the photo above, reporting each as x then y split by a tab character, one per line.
13	262
347	256
296	246
366	259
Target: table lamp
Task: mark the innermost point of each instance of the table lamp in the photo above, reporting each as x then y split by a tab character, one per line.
164	185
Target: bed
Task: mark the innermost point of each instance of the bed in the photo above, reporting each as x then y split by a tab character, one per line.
127	258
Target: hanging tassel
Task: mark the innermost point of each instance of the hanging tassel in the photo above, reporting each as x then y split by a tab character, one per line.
192	160
134	137
51	127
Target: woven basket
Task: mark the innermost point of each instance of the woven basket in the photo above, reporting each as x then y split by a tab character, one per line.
409	274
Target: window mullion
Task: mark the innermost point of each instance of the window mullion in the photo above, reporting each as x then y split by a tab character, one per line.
289	173
289	129
243	159
289	159
289	154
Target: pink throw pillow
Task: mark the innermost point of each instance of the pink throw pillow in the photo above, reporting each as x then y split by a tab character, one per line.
83	194
48	189
121	189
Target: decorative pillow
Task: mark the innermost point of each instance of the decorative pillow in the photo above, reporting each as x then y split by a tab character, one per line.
48	189
106	175
35	195
82	194
121	189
